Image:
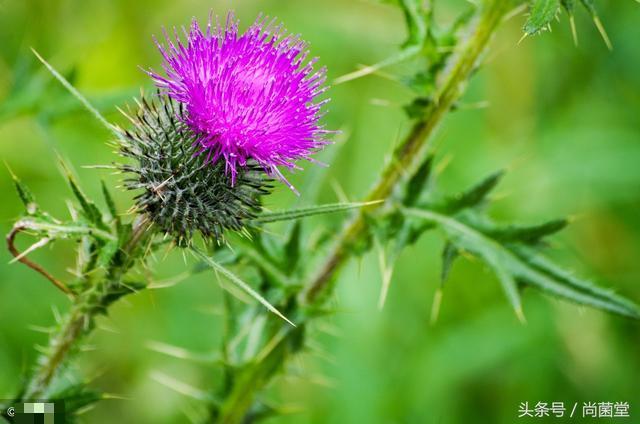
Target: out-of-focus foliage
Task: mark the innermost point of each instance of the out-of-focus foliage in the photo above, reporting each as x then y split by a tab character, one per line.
563	117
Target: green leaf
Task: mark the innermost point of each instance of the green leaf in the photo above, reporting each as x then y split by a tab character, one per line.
109	200
474	196
119	291
449	254
553	271
513	264
418	183
568	5
269	217
541	13
416	18
56	230
527	234
475	243
266	265
111	205
416	109
77	398
237	281
27	198
590	6
89	209
292	247
424	84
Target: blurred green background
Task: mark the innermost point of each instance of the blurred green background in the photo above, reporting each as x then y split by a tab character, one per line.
564	120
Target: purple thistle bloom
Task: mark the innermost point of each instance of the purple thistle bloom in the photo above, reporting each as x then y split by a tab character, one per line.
248	96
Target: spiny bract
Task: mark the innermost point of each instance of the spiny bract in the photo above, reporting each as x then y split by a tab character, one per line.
249	96
180	192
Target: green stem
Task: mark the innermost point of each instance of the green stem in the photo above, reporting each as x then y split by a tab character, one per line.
79	322
409	154
412	150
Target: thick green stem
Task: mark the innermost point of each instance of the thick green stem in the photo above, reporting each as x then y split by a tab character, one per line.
79	322
409	154
411	151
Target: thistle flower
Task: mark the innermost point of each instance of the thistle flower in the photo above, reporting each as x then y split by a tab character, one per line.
180	192
248	97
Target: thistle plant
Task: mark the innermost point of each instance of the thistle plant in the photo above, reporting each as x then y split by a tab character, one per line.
232	112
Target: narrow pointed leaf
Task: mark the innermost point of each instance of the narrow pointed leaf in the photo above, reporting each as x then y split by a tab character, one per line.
237	281
544	265
89	209
27	198
527	269
418	182
475	195
111	205
55	230
526	234
309	211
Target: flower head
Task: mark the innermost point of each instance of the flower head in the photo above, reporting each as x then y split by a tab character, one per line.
247	96
177	190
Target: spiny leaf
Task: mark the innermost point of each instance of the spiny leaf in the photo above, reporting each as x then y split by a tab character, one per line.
487	250
525	234
76	398
55	230
109	200
271	271
27	198
541	14
568	5
237	281
475	195
90	210
119	291
544	265
418	182
288	215
512	264
111	205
